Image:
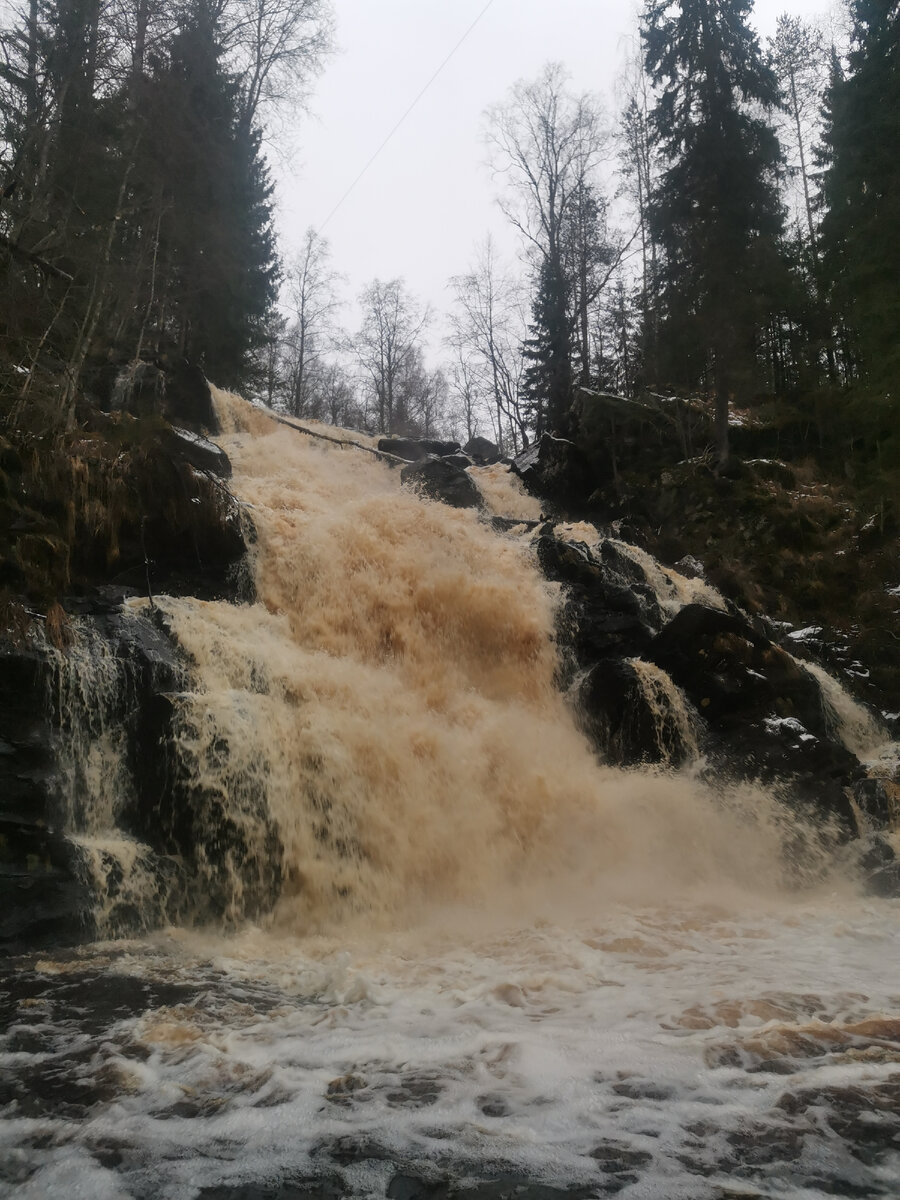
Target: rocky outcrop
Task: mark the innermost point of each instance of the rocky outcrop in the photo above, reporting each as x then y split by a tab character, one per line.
440	479
177	393
119	500
481	451
554	469
605	613
658	679
41	898
177	850
129	504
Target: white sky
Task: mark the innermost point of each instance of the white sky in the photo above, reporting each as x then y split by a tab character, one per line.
429	197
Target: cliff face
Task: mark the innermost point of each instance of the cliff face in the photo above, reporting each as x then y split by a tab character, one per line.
133	502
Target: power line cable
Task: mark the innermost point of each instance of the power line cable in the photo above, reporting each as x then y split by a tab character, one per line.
406	114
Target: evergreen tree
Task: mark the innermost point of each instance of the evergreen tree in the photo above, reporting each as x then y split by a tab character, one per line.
861	188
715	209
547	385
205	179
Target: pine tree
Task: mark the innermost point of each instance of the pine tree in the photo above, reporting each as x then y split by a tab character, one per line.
715	209
861	188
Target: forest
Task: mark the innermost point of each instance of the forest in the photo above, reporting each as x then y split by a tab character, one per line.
729	236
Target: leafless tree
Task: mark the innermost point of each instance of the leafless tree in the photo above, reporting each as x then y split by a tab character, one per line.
800	57
385	346
277	47
487	331
547	144
312	297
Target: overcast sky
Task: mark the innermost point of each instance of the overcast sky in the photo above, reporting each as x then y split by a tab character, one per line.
429	196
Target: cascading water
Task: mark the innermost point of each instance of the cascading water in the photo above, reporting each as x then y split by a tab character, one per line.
391	697
674	723
857	728
89	686
494	968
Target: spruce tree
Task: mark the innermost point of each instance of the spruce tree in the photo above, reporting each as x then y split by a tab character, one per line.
208	182
548	383
715	209
861	188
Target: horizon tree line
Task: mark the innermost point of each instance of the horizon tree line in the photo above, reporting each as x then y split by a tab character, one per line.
746	245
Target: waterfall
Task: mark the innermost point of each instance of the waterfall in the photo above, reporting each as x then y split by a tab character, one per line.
674	721
384	721
381	730
672	589
856	727
419	941
91	690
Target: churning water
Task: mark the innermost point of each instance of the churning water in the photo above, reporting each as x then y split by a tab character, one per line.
496	968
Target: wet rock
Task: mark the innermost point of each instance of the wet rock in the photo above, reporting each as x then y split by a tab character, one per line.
689	567
766	714
885	881
438	479
139	389
458	460
177	392
441	449
415	1091
49	886
879	799
199	452
604	613
555	469
866	1119
482	451
188	398
42	901
191	544
626	725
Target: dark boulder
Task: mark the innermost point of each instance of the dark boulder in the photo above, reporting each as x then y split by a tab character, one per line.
178	393
458	460
604	612
765	714
139	389
42	900
726	667
554	469
188	398
437	479
629	724
441	449
405	448
879	799
482	451
198	451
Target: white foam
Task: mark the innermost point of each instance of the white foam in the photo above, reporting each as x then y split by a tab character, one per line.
476	1042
